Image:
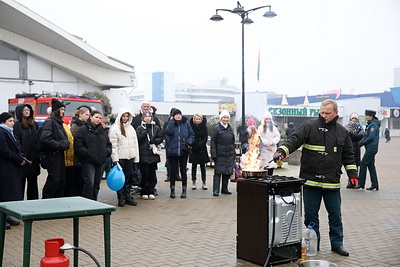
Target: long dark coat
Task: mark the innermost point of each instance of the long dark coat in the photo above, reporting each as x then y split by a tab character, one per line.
91	144
28	138
156	137
199	153
223	149
10	169
53	137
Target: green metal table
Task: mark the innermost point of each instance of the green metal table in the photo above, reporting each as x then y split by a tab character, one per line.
55	208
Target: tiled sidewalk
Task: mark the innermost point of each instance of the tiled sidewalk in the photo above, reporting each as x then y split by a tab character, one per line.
201	230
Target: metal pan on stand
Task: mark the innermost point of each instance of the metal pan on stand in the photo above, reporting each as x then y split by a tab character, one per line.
254	173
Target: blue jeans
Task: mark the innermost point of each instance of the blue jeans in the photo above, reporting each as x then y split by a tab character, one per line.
312	201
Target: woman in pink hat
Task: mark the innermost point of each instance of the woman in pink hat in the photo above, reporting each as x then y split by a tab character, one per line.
244	138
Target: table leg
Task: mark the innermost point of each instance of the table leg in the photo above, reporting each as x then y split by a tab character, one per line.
107	238
2	235
27	242
76	240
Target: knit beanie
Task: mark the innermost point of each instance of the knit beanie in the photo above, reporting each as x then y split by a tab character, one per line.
224	113
55	104
176	111
5	116
250	121
267	115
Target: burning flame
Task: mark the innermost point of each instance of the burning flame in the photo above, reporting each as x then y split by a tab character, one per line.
251	160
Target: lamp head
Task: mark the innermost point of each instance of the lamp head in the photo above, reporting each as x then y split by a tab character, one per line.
269	14
239	10
247	20
216	17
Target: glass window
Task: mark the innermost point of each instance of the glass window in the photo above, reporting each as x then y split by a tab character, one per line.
395	123
42	108
71	106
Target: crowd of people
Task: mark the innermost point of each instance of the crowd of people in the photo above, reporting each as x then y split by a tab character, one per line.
76	155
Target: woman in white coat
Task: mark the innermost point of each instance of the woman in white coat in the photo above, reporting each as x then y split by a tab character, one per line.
125	151
270	137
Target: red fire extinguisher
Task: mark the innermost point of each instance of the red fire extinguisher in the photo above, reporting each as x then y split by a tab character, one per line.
54	256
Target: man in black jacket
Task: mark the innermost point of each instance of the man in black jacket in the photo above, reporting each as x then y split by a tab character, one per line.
326	147
137	120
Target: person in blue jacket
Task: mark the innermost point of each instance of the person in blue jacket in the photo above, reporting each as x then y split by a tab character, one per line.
178	132
370	141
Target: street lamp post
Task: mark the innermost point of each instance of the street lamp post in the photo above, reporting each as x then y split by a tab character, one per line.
244	14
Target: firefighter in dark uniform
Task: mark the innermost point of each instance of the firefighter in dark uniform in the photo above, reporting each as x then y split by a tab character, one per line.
326	147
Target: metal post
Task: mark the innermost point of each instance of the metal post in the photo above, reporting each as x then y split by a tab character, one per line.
243	82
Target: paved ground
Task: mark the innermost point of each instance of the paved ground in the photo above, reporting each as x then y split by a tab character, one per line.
201	230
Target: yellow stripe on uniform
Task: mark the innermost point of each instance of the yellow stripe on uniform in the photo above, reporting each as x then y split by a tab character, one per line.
351	167
313	147
323	185
284	148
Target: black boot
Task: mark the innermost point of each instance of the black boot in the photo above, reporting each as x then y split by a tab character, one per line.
121	198
11	220
349	185
129	200
172	195
203	177
216	182
183	195
225	181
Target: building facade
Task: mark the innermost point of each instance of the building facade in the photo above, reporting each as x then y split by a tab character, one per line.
36	56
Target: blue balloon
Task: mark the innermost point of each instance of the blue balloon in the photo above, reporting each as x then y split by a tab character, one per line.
116	178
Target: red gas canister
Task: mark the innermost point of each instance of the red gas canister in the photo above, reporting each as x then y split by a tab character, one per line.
54	256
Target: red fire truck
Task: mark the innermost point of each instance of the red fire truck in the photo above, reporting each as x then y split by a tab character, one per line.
40	104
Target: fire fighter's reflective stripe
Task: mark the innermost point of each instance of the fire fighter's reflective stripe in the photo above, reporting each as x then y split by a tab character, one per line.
351	167
323	185
284	148
314	148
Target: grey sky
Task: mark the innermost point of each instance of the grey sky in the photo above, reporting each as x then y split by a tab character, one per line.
312	46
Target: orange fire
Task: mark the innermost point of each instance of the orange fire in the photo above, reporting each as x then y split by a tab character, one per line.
251	160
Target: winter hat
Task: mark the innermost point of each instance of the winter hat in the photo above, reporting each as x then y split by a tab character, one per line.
5	116
172	110
370	113
176	111
55	104
267	115
224	113
250	121
354	115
